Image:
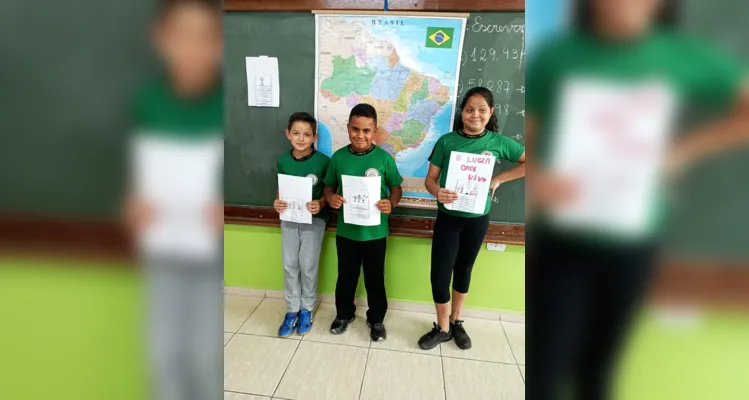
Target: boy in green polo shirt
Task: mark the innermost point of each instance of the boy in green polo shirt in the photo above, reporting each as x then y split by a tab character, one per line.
362	245
301	243
175	203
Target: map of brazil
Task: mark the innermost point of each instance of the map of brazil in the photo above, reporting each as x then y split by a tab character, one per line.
407	68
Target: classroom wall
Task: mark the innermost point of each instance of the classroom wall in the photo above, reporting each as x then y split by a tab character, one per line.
252	258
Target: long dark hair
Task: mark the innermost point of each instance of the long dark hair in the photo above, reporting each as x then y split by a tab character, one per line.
492	125
666	18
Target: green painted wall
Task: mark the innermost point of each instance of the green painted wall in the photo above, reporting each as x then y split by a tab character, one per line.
71	330
252	258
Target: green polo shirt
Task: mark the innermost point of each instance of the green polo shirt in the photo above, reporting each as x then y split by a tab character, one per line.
374	162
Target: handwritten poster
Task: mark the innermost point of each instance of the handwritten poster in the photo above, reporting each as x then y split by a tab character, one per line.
470	176
611	139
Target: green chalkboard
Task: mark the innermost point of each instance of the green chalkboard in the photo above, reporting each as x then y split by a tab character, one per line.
69	70
710	206
493	57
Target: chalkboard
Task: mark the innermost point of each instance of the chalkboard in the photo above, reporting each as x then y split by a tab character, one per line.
710	207
67	81
493	57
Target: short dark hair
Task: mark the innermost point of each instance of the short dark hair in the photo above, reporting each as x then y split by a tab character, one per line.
363	110
492	125
583	14
303	117
167	6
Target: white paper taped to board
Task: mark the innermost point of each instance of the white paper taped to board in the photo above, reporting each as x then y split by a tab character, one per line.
263	88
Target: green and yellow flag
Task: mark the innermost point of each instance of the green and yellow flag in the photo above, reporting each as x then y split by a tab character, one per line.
440	38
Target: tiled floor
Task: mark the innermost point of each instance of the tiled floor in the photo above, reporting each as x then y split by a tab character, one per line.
260	366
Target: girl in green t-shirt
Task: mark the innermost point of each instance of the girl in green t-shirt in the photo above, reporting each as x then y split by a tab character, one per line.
601	103
458	235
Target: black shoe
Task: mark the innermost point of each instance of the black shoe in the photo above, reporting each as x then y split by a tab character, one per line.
377	331
339	326
434	337
459	333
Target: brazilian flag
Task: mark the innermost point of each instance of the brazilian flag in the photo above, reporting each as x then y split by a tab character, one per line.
440	38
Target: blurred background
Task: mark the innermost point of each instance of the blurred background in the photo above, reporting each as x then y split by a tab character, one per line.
71	296
686	343
79	79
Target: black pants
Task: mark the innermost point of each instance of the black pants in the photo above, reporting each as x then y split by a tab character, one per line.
455	245
579	304
351	256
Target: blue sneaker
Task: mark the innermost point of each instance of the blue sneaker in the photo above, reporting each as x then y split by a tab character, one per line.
287	327
305	322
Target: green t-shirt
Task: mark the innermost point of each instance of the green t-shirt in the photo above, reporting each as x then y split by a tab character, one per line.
495	143
160	112
374	162
177	158
693	73
313	166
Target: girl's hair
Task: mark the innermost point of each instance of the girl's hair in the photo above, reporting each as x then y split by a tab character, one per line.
666	17
492	125
303	117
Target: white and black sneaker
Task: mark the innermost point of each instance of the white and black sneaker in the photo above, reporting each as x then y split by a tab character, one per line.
434	337
377	331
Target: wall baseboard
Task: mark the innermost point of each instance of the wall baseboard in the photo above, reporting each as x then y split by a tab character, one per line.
393	304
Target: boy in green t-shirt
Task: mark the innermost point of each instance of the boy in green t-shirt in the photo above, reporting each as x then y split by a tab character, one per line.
175	205
301	243
362	245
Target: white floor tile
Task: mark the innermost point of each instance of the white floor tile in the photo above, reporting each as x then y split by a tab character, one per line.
516	336
243	291
237	309
395	375
404	330
357	333
255	364
323	371
479	380
266	319
239	396
488	343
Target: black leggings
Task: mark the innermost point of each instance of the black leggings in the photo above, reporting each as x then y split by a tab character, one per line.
580	301
455	245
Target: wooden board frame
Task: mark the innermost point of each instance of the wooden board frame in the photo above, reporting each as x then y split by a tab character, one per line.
375	5
420	227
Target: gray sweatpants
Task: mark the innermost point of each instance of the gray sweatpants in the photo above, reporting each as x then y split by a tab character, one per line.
301	245
185	328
